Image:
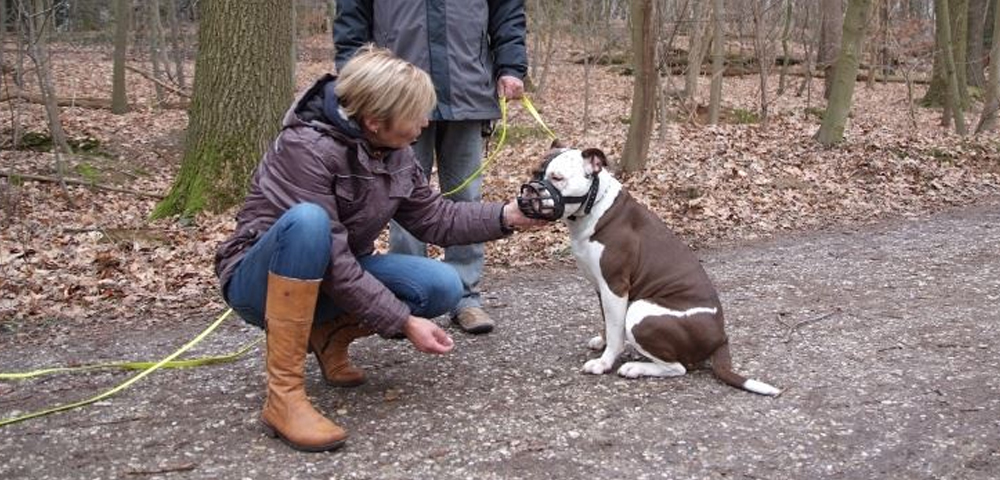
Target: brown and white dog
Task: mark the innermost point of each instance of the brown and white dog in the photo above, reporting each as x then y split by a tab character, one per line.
654	293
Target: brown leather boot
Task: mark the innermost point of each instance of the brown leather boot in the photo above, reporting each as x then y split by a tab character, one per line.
330	342
287	413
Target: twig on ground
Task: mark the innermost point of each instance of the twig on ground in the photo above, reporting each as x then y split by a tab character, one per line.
792	329
42	178
184	467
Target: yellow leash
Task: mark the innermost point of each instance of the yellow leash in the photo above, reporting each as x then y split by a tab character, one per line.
500	142
148	368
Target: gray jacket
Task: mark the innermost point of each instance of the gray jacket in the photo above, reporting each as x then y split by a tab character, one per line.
465	45
321	158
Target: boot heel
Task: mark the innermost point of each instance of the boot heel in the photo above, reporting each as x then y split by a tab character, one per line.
268	430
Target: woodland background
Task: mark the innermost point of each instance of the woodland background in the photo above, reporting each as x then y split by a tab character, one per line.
128	128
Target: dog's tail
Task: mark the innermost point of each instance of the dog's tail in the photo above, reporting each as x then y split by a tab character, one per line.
722	366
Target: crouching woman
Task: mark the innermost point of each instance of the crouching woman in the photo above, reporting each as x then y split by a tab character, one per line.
301	262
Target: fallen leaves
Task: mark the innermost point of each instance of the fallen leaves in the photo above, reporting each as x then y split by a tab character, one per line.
104	261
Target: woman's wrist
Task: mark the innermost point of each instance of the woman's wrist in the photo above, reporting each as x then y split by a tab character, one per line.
504	224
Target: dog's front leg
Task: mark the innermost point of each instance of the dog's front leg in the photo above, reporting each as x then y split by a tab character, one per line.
613	307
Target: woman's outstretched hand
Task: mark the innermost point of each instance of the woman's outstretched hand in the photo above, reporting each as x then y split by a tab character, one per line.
514	218
426	336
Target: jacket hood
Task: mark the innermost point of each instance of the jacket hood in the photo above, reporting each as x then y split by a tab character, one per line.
320	107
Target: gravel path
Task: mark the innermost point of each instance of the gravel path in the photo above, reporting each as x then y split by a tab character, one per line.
884	338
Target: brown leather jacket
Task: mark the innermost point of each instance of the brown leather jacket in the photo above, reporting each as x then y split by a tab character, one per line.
320	157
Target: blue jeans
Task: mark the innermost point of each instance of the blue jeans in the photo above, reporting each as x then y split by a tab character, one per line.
458	148
298	246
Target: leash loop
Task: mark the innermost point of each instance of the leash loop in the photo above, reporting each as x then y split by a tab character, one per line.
147	371
500	143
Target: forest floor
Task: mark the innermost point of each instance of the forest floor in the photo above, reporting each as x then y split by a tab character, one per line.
889	238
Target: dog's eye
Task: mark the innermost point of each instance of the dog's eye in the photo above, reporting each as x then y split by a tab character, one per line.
557	178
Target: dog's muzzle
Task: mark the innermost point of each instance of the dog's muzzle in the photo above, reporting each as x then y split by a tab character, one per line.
542	200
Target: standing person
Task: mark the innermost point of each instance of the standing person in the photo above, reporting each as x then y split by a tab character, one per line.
301	261
474	51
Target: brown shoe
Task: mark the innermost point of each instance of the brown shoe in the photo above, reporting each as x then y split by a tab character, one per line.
473	320
330	342
288	414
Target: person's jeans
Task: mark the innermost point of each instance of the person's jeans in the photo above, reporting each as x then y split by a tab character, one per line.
298	246
458	148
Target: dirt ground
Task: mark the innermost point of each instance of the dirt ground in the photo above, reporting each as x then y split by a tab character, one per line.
883	337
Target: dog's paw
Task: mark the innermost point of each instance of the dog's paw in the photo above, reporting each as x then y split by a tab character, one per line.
596	343
649	369
597	366
635	369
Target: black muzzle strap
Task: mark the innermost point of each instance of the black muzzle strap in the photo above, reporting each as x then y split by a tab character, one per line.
542	200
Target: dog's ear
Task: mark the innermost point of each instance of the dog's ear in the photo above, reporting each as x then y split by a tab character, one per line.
556	143
595	159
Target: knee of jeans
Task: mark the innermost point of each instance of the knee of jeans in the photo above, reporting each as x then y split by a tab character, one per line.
445	291
307	218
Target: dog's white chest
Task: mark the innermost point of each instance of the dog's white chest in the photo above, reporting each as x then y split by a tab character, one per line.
588	259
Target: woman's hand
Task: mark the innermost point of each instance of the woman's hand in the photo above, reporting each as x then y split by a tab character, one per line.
426	336
514	218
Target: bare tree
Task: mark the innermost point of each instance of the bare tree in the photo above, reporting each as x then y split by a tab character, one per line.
644	89
845	74
978	11
155	32
830	31
718	62
37	16
988	119
177	44
765	14
786	55
119	100
953	100
695	51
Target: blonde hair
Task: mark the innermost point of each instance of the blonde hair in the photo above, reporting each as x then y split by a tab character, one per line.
377	85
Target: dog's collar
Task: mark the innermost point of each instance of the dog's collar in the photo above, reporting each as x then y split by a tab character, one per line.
588	200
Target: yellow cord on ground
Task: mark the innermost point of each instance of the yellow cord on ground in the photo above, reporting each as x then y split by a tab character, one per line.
201	336
188	363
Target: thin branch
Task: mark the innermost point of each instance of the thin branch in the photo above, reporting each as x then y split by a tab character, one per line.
151	78
792	329
74	181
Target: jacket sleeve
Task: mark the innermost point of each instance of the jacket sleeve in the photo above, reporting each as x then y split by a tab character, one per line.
507	31
295	173
434	219
351	29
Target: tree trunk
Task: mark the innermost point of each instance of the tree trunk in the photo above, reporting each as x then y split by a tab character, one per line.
243	54
830	31
293	49
119	100
176	43
38	21
155	31
694	53
786	30
953	99
644	86
718	62
938	89
977	30
988	119
842	89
